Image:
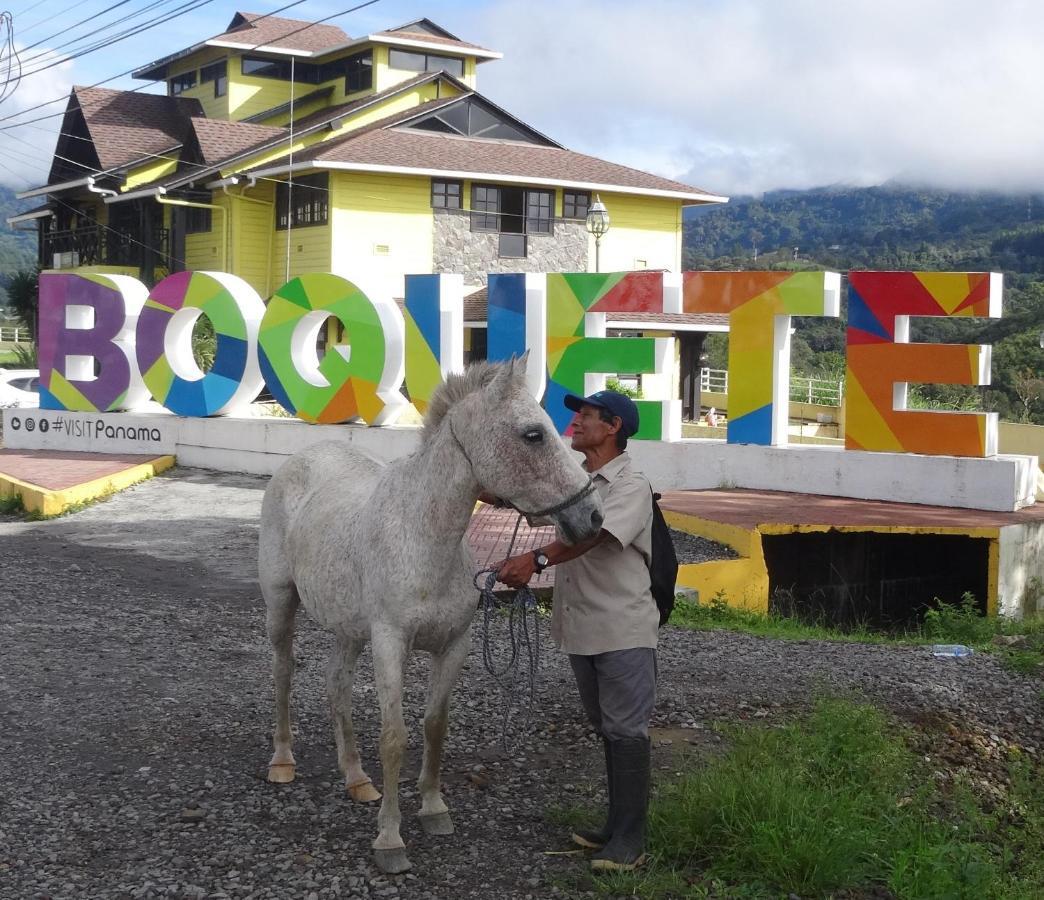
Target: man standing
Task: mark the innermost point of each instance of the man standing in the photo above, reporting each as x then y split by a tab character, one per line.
605	618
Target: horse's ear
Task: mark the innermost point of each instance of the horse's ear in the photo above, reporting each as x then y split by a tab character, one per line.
508	377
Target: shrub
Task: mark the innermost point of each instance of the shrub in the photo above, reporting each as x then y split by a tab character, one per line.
963	624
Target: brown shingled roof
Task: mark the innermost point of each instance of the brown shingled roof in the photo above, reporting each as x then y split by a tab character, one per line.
402	148
218	139
448	43
282	34
126	126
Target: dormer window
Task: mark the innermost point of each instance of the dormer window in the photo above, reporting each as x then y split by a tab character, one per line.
262	67
410	61
184	82
218	73
358	72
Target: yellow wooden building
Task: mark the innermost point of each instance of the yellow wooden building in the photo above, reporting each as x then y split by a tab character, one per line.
283	147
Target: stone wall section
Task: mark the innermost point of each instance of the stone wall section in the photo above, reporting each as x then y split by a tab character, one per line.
474	254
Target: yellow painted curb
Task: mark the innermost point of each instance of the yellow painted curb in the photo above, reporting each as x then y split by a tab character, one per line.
743	582
43	502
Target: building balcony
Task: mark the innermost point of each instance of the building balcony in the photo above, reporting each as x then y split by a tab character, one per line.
102	246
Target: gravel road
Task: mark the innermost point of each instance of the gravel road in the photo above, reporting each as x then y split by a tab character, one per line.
136	715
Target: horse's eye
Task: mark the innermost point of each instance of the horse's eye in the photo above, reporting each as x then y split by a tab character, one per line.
533	436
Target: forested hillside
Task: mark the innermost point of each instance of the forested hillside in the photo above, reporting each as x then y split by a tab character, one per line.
892	227
17	248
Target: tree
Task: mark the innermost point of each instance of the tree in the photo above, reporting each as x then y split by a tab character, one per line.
1029	388
23	296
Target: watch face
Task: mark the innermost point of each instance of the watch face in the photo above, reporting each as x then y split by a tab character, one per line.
541	559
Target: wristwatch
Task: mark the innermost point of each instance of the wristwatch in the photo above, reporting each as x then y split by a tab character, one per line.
541	560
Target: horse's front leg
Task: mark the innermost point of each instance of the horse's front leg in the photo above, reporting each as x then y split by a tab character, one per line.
389	658
445	669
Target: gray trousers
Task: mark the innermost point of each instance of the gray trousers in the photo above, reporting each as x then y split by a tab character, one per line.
617	690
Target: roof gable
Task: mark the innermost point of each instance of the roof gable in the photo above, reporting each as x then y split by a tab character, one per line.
75	154
426	27
474	116
125	126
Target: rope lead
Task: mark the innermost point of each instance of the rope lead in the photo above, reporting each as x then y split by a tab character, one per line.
524	640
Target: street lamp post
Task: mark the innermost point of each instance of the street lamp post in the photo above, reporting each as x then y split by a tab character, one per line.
597	223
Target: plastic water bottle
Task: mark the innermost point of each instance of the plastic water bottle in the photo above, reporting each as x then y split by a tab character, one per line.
949	650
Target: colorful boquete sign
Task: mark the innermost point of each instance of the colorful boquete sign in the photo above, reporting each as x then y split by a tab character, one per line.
107	343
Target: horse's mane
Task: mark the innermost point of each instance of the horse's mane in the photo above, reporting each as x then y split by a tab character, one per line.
456	387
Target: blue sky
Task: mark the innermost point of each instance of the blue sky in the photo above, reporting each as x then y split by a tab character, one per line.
733	96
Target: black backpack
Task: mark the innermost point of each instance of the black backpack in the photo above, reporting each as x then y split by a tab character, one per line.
663	565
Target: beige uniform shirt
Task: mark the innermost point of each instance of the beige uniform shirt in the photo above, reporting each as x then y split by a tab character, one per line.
602	599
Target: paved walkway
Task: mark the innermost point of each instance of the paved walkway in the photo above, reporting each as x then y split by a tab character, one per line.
490	537
749	509
58	470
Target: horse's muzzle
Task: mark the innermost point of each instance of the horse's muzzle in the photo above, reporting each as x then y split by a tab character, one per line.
582	521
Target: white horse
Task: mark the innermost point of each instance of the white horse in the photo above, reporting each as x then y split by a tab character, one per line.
377	553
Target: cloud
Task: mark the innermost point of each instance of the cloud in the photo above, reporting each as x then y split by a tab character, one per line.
741	96
26	152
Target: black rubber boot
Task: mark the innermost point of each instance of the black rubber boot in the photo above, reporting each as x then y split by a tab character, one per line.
590	838
626	848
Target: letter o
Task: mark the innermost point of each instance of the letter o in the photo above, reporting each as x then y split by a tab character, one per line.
164	343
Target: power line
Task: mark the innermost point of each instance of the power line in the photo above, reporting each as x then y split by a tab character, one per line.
182	10
10	53
77	25
140	87
52	50
33	6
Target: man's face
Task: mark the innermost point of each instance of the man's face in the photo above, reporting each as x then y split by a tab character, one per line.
589	431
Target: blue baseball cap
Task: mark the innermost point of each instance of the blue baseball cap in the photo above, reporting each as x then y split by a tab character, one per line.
615	403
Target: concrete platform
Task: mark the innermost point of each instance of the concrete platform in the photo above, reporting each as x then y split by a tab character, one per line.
51	481
1002	552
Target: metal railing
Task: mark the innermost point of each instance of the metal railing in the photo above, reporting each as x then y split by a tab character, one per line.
823	391
15	334
100	246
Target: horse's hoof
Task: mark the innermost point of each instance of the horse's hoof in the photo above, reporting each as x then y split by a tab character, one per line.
436	823
391	862
364	792
281	773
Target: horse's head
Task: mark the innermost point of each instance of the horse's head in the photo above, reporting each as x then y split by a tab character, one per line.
516	453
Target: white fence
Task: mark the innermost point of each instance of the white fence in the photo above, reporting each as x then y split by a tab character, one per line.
824	391
14	334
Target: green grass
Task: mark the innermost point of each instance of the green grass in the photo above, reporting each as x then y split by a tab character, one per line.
11	506
835	801
14	505
944	623
718	615
18	356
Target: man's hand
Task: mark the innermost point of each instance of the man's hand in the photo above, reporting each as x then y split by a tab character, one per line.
516	571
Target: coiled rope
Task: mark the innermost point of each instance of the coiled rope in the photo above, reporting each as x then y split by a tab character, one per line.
518	675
